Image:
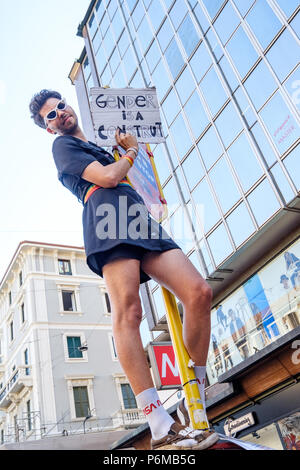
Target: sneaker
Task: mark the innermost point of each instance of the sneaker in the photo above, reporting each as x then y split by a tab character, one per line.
183	438
184	418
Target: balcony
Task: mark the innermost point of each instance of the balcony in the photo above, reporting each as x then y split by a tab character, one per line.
129	418
19	379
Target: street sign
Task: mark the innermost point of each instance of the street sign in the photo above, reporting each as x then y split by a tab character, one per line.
164	365
144	178
133	110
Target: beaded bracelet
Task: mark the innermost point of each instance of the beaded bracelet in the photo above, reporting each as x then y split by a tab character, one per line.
128	158
133	149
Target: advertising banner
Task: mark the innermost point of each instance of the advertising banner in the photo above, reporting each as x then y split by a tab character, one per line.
164	366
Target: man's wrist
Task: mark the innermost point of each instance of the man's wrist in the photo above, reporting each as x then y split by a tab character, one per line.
132	151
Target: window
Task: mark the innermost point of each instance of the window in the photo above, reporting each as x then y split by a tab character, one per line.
214	43
263	144
156	13
260	85
107	302
197	117
165	34
244	5
224	185
178	12
199	13
244	106
263	202
240	224
188	35
171	106
292	86
280	123
228	124
245	162
229	74
64	266
170	193
209	147
68	298
200	62
28	412
74	343
192	168
26	362
242	51
285	47
123	42
161	162
219	244
205	205
185	85
174	58
9	298
81	401
22	313
226	23
180	136
129	62
263	22
11	329
153	56
159	303
161	80
288	7
282	182
213	91
20	278
213	6
128	397
92	25
292	164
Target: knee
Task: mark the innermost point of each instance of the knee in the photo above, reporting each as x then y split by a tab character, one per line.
200	294
128	315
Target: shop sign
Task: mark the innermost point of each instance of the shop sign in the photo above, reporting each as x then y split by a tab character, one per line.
164	365
233	426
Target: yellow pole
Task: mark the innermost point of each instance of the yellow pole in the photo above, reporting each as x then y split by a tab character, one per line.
185	365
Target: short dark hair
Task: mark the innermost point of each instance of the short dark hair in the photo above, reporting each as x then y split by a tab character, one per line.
38	101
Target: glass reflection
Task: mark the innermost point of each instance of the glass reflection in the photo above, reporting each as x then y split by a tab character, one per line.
196	115
280	123
213	91
263	22
263	202
206	208
240	224
260	85
228	124
209	147
193	169
292	164
224	185
219	244
226	23
245	162
242	51
287	47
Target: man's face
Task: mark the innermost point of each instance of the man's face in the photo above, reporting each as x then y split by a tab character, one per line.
66	121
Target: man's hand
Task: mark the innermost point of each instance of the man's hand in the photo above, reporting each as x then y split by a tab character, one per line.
126	140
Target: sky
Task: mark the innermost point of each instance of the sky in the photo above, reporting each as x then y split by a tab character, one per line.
38	46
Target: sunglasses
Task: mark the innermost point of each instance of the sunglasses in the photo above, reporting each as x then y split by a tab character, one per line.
53	113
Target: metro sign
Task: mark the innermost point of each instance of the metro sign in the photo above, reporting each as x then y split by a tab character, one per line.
164	365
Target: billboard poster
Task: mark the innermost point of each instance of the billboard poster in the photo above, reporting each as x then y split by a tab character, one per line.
264	308
290	430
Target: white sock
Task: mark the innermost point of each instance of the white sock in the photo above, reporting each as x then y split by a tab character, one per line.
200	372
158	418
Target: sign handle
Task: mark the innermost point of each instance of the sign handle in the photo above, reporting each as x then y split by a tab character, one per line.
185	366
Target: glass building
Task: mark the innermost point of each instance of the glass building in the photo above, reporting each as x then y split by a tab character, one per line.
228	81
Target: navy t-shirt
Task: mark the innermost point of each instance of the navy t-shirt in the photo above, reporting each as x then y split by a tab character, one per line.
72	156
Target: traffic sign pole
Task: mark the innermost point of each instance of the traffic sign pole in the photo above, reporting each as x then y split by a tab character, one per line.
185	364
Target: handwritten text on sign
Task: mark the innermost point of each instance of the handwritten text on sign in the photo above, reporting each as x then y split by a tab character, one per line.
132	110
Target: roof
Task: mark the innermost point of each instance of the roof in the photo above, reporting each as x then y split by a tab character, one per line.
85	19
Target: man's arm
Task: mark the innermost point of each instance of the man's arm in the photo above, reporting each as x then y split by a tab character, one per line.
110	175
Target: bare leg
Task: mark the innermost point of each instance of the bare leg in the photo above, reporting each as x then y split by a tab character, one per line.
122	278
173	270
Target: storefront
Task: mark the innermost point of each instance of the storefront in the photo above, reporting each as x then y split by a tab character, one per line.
272	422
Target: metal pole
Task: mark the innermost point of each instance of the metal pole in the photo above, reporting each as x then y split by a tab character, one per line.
185	364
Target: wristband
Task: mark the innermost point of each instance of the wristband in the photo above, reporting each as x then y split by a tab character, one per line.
134	150
128	158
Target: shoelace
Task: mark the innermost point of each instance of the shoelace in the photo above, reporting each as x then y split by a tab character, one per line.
190	432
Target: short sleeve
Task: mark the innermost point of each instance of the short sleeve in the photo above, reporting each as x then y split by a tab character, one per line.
69	157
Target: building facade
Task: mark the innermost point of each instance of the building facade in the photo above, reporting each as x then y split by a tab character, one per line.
59	372
227	77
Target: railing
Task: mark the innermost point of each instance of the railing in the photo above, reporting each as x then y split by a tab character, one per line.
22	373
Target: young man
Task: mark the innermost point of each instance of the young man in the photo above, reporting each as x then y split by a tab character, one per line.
125	262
